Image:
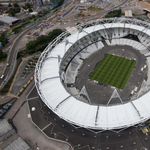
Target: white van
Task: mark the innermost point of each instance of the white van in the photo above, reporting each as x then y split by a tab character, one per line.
2	76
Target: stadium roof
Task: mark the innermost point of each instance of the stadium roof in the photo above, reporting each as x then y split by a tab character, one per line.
77	112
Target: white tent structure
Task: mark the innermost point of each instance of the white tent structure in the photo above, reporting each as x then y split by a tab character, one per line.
53	92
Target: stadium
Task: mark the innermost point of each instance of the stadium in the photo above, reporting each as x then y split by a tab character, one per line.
96	75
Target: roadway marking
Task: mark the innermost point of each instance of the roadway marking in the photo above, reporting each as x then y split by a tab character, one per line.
13	95
46	126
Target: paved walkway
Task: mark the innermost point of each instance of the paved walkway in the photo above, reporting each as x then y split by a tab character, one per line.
27	130
5	99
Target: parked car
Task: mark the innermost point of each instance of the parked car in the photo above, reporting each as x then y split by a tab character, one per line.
2	76
7	65
6	106
2	112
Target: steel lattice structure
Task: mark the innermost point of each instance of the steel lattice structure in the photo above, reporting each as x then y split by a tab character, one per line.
51	76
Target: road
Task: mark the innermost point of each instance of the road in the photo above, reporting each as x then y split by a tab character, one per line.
11	60
13	52
19	112
12	56
131	138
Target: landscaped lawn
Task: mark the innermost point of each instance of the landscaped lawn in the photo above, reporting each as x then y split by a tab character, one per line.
113	70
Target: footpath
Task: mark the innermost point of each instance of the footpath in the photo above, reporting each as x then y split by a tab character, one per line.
9	96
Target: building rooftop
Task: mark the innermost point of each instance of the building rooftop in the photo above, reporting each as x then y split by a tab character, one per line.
34	13
128	13
145	5
66	106
17	144
4	127
8	19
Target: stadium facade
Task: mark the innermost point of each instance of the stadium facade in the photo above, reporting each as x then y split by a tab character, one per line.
58	68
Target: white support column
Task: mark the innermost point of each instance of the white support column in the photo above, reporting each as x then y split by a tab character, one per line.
114	95
84	92
66	42
144	84
62	76
59	58
97	23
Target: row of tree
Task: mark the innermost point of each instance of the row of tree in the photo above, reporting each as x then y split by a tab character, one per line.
94	8
16	8
40	43
2	55
13	11
81	15
114	13
3	39
27	5
14	4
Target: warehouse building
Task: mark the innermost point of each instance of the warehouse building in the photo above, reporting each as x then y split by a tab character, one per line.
10	21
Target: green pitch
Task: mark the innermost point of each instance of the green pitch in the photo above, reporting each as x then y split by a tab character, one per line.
113	70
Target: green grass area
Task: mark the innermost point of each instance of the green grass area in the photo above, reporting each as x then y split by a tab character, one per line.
113	70
3	59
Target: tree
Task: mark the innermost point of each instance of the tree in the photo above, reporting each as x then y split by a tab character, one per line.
9	5
39	44
28	5
31	45
78	23
53	34
16	30
2	55
42	39
30	10
24	7
33	16
3	39
17	10
12	11
16	5
1	4
4	42
40	12
114	13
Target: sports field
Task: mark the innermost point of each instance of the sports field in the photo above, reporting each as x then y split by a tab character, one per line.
113	70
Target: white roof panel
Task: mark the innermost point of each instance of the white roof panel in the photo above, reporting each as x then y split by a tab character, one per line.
68	46
116	25
8	19
73	38
84	114
58	50
78	111
148	32
50	70
96	28
53	91
143	104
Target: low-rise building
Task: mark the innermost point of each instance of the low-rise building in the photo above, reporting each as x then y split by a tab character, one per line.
34	13
22	16
6	130
19	143
10	21
128	13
